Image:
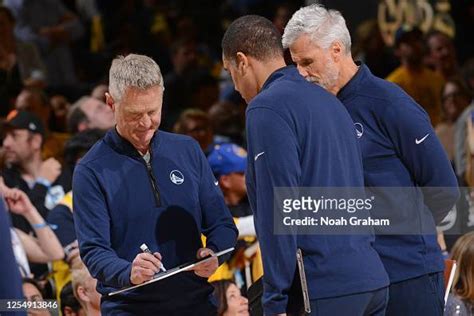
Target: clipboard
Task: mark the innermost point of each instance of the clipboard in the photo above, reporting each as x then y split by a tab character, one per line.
170	272
304	284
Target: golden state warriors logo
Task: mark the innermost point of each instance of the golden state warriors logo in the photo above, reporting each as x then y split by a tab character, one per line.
176	177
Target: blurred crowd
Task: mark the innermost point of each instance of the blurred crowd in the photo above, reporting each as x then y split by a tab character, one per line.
54	57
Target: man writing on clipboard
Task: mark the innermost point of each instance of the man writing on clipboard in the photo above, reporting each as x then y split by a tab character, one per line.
140	185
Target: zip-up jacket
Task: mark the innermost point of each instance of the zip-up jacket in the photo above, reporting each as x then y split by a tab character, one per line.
121	202
299	135
400	149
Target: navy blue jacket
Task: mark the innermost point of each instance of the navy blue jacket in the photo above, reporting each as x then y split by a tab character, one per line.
299	135
10	282
400	149
116	209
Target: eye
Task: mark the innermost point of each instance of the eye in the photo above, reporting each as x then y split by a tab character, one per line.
306	62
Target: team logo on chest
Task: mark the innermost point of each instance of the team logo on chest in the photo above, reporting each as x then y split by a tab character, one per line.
176	177
359	130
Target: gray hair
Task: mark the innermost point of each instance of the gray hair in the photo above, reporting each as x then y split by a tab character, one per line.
134	70
322	25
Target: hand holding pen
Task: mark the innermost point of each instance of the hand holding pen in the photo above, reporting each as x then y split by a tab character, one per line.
145	266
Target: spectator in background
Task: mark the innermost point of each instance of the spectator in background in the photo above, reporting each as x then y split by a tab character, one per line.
229	299
370	49
41	249
455	99
195	123
461	300
34	100
40	179
228	163
203	90
88	113
441	54
84	287
99	92
421	83
468	74
32	292
70	306
51	27
176	99
461	148
59	109
20	63
228	122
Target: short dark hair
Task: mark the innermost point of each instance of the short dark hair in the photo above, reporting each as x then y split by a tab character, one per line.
68	299
76	115
254	36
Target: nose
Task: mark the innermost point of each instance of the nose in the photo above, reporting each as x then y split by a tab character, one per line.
7	141
145	121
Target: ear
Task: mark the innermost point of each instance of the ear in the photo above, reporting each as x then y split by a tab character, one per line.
242	63
224	181
110	101
36	141
81	293
82	126
337	50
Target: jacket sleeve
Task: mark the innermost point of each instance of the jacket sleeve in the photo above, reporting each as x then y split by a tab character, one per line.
416	143
273	161
217	223
92	224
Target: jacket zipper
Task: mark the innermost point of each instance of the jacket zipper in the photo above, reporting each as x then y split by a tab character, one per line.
154	187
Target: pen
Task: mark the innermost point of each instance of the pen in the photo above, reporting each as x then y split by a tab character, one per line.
145	248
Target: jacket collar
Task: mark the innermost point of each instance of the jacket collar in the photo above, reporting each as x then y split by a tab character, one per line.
352	85
279	73
123	146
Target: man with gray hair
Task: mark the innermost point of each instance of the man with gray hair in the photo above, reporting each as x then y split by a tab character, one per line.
292	143
140	185
399	149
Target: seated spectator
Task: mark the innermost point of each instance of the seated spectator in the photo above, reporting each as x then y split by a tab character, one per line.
442	54
43	248
32	292
455	99
228	163
51	32
35	101
229	299
228	122
42	180
20	63
195	123
59	110
84	287
461	300
70	306
420	82
87	113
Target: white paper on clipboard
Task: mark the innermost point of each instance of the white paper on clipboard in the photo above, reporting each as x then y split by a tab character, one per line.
170	272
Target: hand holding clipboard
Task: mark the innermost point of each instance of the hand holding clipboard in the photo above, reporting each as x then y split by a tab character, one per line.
170	272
